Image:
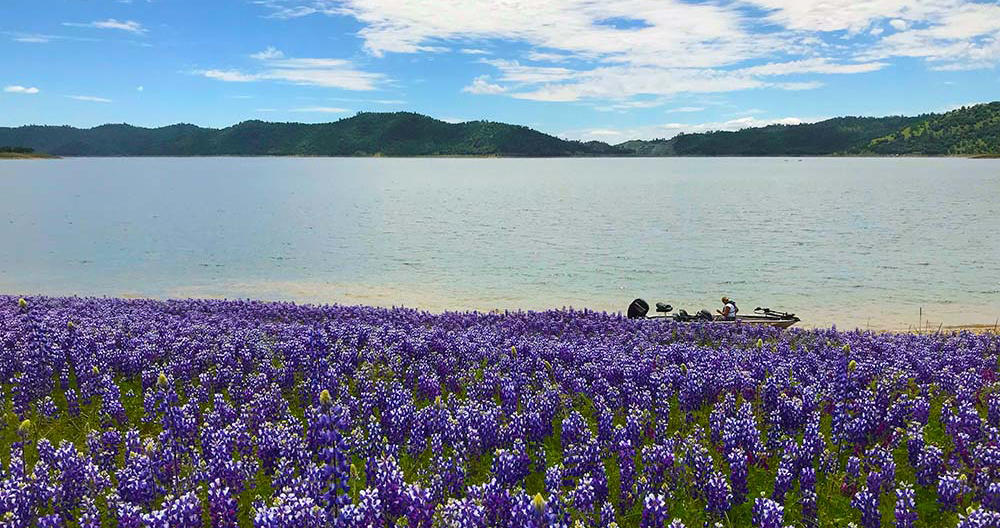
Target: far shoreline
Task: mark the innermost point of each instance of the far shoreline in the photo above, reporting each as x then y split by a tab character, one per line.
39	156
26	156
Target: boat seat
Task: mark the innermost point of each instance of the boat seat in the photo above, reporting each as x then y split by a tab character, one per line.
663	307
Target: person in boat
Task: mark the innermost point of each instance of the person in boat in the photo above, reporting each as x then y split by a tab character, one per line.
728	311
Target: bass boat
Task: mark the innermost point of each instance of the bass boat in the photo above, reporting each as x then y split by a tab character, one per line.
762	316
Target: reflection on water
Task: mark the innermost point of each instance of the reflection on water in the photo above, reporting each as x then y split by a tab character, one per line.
856	242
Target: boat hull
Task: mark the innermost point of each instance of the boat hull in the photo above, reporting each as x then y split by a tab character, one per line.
779	323
743	320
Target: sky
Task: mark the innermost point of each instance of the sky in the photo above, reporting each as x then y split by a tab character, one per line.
609	70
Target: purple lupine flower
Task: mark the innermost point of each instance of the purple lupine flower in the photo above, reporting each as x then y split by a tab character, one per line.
767	514
868	504
991	496
738	472
782	485
979	518
950	488
807	488
221	505
929	465
607	514
906	507
718	495
584	495
654	511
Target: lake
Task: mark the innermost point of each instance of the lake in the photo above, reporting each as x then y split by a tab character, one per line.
853	241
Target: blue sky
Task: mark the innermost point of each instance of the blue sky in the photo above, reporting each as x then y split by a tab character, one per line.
588	69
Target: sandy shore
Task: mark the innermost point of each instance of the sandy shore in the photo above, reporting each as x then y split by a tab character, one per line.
23	156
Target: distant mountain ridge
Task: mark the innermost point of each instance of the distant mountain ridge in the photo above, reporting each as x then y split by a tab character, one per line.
967	131
365	134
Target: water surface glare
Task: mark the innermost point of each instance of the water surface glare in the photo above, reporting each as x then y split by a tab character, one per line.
855	242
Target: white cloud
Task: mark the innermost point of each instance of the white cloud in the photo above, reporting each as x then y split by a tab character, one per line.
321	110
966	37
547	57
482	85
797	86
89	98
229	75
813	65
270	53
372	101
130	26
676	46
473	51
32	39
623	106
140	88
328	73
30	90
669	130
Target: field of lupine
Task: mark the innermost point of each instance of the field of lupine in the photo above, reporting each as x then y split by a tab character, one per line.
211	413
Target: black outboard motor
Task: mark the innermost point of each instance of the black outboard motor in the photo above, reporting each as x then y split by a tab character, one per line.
638	309
704	315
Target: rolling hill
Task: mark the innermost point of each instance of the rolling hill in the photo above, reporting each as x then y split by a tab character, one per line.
967	131
365	134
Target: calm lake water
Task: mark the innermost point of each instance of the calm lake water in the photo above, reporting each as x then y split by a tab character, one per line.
855	242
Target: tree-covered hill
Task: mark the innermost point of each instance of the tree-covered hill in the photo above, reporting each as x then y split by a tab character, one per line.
972	130
811	139
365	134
969	131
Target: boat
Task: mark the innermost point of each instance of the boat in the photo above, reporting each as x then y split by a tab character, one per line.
762	316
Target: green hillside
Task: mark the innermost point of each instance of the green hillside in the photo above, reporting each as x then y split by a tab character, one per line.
366	134
967	131
812	139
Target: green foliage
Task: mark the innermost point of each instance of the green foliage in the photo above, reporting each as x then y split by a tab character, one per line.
968	131
813	139
365	134
17	150
973	130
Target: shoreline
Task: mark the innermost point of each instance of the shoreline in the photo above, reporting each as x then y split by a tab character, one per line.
893	327
26	156
495	156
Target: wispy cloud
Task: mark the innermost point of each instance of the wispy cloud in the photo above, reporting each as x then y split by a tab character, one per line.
372	101
130	26
321	110
41	38
669	130
275	66
673	46
89	98
482	85
270	53
29	90
34	39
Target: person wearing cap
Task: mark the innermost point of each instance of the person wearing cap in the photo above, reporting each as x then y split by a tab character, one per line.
728	311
